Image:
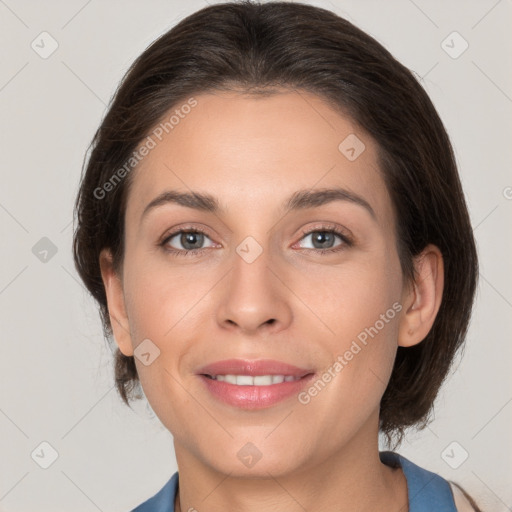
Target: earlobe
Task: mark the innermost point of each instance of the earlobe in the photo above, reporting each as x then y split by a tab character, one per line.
116	303
422	298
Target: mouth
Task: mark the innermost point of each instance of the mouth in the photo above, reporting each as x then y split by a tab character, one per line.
257	380
253	384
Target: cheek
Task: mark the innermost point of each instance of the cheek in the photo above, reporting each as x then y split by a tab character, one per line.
349	299
160	297
168	306
359	307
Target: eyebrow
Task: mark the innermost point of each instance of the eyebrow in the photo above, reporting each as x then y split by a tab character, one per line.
300	200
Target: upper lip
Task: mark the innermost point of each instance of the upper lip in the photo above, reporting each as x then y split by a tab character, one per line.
254	368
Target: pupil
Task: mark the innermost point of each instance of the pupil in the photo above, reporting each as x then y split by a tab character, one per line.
191	239
323	238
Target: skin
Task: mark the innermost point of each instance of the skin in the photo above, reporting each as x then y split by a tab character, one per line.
292	303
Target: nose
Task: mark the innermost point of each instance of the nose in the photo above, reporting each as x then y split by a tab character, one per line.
254	298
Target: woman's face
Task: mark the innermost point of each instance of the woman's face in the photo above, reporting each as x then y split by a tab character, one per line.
283	272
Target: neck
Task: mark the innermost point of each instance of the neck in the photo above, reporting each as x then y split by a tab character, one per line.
351	479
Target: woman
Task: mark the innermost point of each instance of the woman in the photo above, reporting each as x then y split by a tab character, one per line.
272	223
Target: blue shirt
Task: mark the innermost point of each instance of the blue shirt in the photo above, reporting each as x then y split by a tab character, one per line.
427	491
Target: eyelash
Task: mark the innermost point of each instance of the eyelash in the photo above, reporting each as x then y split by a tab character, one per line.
346	241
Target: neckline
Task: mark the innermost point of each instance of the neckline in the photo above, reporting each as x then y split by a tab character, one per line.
426	491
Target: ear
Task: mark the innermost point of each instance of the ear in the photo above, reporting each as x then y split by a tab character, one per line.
116	303
422	298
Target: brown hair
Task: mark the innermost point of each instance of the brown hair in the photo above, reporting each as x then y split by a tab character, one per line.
258	48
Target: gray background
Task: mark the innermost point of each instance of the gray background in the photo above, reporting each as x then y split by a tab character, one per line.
55	368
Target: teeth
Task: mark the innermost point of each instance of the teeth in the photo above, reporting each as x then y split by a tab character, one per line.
244	380
230	379
258	380
262	380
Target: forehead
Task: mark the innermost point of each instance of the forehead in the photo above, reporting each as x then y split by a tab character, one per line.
256	150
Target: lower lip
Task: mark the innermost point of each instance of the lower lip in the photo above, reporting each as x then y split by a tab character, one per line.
255	397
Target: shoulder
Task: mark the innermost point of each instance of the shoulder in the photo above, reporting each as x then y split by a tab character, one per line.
163	500
427	490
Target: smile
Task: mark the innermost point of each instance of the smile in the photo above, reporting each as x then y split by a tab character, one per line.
253	384
249	380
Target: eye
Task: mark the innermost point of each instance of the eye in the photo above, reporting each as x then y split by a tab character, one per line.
187	240
324	240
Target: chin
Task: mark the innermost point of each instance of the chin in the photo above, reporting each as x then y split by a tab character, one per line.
260	470
252	460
